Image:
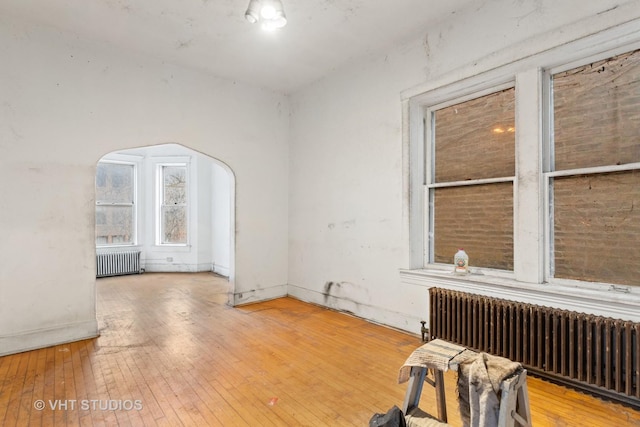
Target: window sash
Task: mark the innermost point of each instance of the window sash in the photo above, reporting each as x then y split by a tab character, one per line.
115	194
173	229
173	232
106	232
590	79
431	184
595	109
109	229
594	232
463	207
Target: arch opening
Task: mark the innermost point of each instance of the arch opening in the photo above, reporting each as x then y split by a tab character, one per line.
171	204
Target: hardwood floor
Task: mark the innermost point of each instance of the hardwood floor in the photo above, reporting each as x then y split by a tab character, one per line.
172	353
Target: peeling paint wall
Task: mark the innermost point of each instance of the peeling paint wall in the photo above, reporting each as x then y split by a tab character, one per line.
347	205
64	105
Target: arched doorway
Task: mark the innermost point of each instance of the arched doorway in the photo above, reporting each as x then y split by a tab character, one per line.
170	204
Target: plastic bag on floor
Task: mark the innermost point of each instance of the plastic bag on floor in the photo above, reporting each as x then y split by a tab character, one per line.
393	418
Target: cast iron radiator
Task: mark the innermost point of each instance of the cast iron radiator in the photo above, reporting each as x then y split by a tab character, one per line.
593	353
117	263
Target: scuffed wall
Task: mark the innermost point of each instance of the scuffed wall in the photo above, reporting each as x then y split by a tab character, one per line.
348	203
320	196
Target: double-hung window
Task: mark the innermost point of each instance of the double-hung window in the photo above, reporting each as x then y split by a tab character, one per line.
594	171
470	177
172	211
115	204
573	192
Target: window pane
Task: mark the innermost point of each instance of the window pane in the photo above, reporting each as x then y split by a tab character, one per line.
476	139
114	224
114	183
174	224
101	176
478	218
597	113
175	184
596	227
101	217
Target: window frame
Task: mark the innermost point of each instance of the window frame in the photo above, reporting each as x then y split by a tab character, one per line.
525	62
549	173
531	197
429	173
159	205
133	205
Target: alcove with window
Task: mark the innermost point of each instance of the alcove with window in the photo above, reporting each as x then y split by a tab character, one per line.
171	205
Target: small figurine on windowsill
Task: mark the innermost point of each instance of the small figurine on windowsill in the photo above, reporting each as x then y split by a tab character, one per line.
461	262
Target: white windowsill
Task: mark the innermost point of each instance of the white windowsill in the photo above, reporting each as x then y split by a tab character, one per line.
615	301
172	248
117	248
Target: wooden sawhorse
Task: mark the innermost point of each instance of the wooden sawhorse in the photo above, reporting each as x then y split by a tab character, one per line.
440	356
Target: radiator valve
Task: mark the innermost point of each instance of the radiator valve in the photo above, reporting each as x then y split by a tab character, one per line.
425	331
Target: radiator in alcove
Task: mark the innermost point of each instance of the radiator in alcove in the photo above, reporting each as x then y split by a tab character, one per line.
118	263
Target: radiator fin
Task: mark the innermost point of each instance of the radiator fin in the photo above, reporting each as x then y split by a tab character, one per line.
592	352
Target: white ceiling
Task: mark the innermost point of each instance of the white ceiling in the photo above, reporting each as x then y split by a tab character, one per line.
321	35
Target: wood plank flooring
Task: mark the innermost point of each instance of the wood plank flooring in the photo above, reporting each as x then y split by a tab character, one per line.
171	353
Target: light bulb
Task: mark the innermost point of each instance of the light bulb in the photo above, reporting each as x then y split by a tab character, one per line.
268	12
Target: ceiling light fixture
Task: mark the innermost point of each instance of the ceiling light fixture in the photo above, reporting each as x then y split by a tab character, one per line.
268	12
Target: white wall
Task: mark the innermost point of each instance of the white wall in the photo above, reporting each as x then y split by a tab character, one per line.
348	184
339	193
221	210
65	104
204	219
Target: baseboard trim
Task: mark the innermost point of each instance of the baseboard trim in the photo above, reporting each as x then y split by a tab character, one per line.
258	295
223	271
375	314
47	337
